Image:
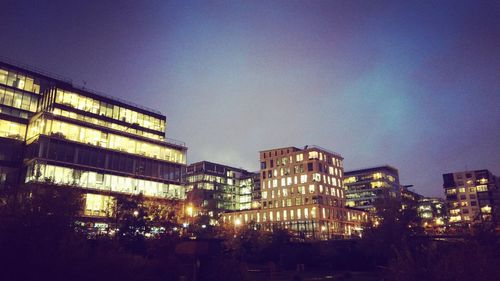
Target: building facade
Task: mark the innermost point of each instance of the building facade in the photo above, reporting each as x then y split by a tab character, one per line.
301	191
213	189
367	186
56	133
472	197
432	212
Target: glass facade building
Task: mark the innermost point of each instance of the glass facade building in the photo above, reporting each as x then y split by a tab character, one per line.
54	132
213	189
364	187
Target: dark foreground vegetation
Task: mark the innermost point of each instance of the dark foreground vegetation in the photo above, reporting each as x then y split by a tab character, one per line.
40	241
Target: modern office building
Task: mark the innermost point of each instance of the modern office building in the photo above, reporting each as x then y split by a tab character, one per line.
56	133
409	198
302	191
213	189
472	197
367	186
432	212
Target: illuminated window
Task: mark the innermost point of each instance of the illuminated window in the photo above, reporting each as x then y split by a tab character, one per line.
376	184
285	192
330	170
481	188
92	180
303	178
313	155
451	191
98	138
486	209
12	130
316	177
111	111
483	181
311	188
99	205
461	190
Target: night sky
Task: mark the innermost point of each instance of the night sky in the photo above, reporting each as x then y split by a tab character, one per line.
416	86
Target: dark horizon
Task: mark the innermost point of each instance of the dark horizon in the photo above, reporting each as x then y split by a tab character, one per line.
411	85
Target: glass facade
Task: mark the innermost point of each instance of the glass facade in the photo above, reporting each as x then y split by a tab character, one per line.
69	153
19	80
98	205
65	130
77	138
12	130
214	188
18	99
106	124
42	172
109	110
364	187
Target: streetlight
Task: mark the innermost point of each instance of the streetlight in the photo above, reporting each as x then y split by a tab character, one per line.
237	223
189	210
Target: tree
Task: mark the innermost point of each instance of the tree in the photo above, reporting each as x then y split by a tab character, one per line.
133	223
395	227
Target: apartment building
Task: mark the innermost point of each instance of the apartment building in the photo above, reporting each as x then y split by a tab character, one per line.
302	191
472	197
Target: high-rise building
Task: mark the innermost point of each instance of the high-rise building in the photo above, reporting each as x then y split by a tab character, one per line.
54	132
302	191
214	188
472	197
367	186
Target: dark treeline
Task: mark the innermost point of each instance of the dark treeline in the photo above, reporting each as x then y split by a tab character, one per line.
40	241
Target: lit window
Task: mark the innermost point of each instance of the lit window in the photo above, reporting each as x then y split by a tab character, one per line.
303	178
313	155
299	157
481	188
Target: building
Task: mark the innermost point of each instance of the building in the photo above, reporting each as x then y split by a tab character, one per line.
367	186
472	197
409	198
56	133
302	191
213	189
432	212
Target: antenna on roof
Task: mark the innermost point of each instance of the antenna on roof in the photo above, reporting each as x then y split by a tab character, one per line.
84	83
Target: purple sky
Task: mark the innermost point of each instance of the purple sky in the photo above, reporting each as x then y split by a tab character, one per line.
416	86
